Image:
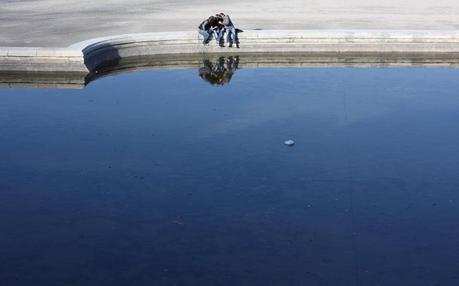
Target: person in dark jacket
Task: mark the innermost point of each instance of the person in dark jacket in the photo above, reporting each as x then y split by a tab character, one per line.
211	27
218	30
205	29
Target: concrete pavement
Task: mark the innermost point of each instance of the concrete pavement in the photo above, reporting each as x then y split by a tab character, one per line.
60	23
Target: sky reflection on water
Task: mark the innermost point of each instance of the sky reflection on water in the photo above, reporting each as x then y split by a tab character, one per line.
158	178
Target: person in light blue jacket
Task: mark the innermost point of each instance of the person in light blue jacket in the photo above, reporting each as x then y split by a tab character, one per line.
231	31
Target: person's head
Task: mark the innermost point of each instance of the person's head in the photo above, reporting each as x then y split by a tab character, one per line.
213	20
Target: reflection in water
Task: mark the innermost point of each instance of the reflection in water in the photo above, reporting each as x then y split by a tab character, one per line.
220	72
135	181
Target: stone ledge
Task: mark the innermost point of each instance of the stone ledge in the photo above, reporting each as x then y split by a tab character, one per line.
93	54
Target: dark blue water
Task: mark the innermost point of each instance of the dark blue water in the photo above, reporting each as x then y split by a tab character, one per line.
159	178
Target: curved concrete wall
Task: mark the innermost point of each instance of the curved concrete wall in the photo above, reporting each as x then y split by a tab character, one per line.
94	54
106	51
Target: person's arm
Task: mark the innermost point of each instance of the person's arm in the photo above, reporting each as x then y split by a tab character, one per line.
203	24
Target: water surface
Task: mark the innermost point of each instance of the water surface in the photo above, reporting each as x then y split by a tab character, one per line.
160	178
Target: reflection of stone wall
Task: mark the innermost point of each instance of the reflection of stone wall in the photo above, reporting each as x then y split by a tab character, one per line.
197	61
42	80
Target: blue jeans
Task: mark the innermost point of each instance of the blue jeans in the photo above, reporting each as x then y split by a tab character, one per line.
218	34
231	35
206	34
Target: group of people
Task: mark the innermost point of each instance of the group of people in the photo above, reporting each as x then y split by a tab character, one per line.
218	26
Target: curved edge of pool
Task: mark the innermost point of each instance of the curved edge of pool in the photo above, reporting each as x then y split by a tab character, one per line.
259	48
88	55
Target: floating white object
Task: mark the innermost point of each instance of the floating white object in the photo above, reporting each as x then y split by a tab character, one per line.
289	143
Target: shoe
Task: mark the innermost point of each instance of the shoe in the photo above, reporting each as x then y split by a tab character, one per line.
230	45
237	45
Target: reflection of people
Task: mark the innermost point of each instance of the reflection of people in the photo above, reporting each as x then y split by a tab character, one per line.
220	72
